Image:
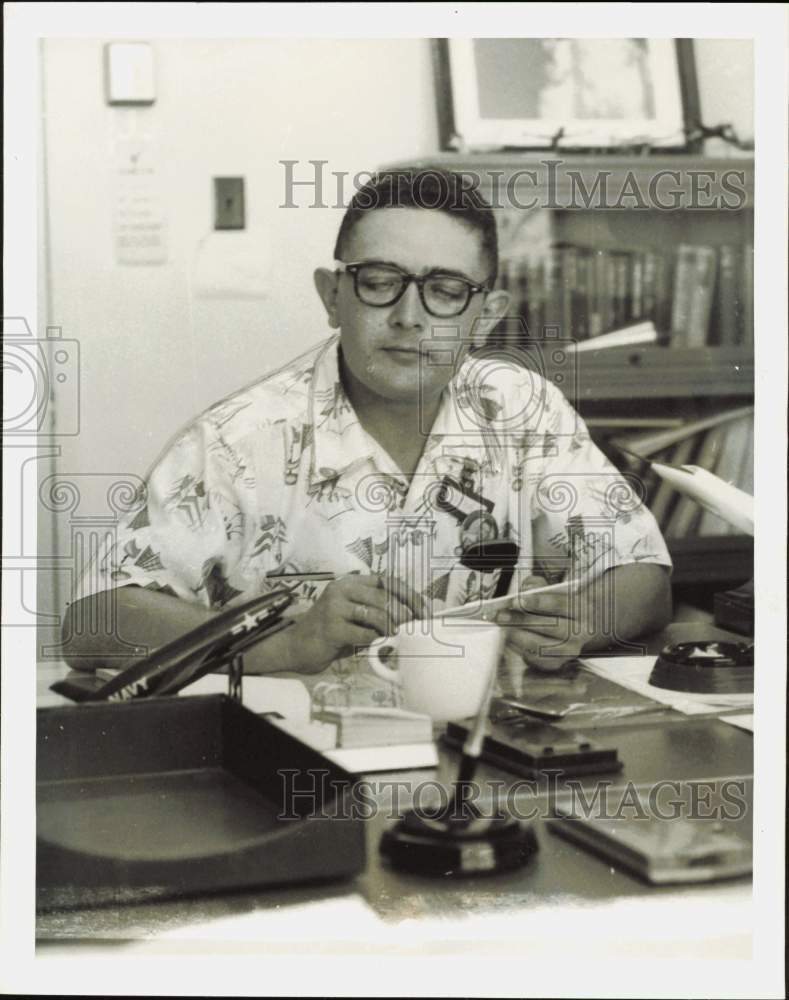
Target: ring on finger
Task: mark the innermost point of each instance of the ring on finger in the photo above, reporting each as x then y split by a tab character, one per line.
362	613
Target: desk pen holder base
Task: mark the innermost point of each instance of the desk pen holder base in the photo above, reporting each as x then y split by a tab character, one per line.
458	846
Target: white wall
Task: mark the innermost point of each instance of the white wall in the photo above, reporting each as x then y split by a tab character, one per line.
223	107
155	348
724	67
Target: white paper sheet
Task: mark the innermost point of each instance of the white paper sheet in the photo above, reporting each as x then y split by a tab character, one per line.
744	721
261	694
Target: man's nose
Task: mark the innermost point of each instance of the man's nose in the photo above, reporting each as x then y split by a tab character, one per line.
408	311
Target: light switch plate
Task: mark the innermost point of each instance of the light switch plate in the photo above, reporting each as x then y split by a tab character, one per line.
229	203
129	73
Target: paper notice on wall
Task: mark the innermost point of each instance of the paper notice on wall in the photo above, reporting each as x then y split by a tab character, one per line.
139	224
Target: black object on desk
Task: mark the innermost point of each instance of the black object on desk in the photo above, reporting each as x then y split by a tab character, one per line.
705	667
459	844
534	748
202	650
734	609
159	797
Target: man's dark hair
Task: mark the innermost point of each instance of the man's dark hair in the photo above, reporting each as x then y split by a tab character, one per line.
429	188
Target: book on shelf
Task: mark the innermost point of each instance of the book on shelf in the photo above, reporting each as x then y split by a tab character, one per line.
745	478
747	295
607	421
698	294
649	442
721	443
622	298
727	312
687	513
694	283
582	307
666	496
730	468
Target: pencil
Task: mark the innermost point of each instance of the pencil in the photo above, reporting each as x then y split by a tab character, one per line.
301	577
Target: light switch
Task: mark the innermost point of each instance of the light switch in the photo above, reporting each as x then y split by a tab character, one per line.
129	73
229	203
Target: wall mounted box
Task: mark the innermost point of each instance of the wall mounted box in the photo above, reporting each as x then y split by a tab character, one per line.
129	73
170	796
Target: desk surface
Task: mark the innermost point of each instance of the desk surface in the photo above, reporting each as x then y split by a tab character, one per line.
536	909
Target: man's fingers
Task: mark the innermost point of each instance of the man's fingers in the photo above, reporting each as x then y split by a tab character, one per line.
405	595
510	672
391	611
403	601
538	651
367	616
545	604
557	626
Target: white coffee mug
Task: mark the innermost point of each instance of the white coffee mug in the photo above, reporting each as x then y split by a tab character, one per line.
443	666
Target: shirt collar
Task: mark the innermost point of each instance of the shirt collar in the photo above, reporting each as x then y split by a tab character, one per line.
339	442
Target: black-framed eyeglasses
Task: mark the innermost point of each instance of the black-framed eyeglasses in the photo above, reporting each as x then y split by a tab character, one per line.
377	283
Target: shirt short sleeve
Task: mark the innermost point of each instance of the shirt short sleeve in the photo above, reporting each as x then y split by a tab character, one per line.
183	534
587	517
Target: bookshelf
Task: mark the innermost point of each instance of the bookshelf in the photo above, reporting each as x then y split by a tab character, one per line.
557	215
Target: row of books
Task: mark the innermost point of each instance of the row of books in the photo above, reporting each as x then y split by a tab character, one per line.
721	444
695	295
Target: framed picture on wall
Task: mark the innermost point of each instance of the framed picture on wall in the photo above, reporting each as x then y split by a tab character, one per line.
570	93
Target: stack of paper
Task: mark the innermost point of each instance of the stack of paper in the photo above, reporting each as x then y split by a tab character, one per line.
632	672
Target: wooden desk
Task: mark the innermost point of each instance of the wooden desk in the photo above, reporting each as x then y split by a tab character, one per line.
564	895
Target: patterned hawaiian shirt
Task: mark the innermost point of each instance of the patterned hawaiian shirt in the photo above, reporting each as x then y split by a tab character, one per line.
281	477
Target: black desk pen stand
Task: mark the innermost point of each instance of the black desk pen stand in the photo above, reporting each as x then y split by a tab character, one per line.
143	796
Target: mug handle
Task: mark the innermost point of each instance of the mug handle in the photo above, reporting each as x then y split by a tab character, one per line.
377	664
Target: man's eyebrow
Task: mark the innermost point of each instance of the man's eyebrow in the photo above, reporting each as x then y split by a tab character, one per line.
449	271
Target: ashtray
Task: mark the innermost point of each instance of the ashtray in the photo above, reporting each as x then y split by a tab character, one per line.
705	667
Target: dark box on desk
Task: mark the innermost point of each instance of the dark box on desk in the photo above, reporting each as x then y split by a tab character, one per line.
169	796
535	748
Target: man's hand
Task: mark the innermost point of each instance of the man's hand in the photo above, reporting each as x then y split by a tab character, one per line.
623	603
351	612
544	630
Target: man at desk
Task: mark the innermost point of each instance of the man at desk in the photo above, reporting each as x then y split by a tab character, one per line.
378	457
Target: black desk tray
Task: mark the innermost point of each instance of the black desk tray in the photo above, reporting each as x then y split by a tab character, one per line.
169	796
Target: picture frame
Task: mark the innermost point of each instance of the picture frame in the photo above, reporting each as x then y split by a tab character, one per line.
543	93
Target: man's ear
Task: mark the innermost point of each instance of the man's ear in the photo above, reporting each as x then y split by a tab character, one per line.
494	308
326	284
